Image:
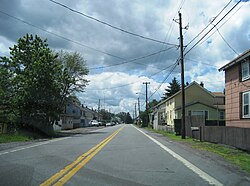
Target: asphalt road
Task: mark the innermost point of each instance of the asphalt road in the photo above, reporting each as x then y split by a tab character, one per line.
119	155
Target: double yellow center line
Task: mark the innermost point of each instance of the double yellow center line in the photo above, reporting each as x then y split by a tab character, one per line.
69	171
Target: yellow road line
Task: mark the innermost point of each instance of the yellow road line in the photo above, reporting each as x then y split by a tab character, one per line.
67	172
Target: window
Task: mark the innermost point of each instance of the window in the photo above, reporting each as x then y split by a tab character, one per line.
245	105
245	70
198	113
222	115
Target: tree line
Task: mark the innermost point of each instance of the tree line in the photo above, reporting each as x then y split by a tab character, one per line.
36	83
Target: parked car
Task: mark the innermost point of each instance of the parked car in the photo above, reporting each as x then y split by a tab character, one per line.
94	123
102	123
108	124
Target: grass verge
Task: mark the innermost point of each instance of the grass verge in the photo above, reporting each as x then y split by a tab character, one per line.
6	138
235	156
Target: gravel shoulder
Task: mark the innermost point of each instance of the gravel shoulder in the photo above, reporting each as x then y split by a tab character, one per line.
63	133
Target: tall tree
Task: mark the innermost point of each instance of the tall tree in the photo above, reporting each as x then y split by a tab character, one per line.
128	118
74	71
173	87
36	81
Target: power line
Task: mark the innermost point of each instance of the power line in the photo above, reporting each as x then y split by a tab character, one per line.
133	60
124	85
211	28
201	63
109	25
219	27
166	77
226	42
209	23
167	37
60	36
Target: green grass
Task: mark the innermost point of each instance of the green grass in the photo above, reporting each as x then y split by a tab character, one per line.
170	135
235	156
6	138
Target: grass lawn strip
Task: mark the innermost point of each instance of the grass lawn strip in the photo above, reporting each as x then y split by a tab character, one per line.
236	156
6	138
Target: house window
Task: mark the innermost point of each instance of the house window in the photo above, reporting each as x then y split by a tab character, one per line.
245	70
199	113
245	105
222	115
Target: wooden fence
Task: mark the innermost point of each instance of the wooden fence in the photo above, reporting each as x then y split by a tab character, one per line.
196	127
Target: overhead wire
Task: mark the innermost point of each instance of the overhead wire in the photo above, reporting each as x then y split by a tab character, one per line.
169	32
211	29
226	42
124	85
166	77
209	23
133	60
109	25
219	26
60	36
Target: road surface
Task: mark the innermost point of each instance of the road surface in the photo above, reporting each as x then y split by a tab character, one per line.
119	155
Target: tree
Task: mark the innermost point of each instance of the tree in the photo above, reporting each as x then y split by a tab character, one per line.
125	117
105	115
74	71
152	104
122	116
173	87
37	82
5	92
128	118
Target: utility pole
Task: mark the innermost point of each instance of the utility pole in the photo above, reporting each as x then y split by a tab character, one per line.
135	112
183	131
146	83
99	103
139	111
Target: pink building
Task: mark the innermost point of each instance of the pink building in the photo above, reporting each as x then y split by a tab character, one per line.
237	91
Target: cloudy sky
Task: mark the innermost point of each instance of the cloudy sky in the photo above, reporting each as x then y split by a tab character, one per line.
126	43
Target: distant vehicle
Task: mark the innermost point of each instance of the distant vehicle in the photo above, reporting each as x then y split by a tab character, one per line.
108	124
101	123
94	123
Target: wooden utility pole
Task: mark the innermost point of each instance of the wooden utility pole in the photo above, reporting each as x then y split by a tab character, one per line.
99	104
139	110
183	130
135	112
146	83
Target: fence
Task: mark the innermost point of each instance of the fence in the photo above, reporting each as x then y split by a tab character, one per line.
215	131
233	136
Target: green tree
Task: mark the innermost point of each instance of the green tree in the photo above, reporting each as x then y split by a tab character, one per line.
128	118
173	87
74	71
122	116
37	82
5	91
37	85
105	115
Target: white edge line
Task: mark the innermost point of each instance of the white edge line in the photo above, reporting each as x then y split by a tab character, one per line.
36	145
191	166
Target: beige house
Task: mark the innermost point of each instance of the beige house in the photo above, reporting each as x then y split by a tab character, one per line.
199	101
237	81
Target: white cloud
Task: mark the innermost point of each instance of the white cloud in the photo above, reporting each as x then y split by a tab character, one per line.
149	18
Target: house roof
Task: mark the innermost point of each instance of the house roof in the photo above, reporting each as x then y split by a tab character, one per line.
218	94
198	102
236	60
194	83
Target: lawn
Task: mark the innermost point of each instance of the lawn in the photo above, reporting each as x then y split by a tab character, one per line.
235	156
5	138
